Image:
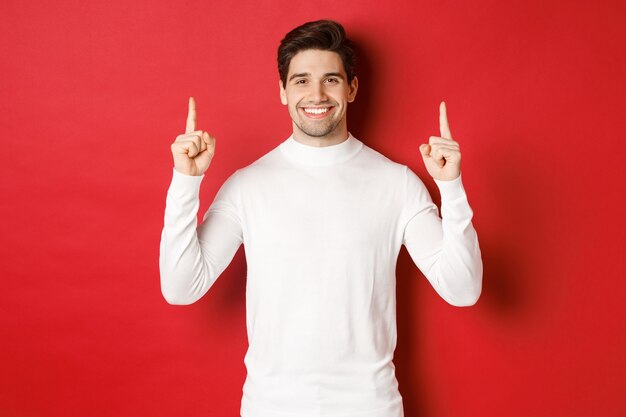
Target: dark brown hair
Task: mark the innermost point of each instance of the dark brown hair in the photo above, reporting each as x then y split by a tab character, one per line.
325	35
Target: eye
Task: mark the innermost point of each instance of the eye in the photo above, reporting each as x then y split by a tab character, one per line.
301	81
332	80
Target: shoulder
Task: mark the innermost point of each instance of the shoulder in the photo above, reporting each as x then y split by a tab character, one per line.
397	173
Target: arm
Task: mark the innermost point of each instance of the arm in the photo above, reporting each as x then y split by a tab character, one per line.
192	258
446	249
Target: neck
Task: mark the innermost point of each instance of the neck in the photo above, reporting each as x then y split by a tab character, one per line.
319	156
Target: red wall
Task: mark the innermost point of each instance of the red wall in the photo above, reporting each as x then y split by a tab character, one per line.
93	93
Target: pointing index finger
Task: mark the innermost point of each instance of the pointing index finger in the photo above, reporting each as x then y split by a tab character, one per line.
191	116
443	121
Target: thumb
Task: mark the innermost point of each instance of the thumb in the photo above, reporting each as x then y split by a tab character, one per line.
425	150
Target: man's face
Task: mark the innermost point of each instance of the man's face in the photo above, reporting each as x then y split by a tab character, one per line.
317	94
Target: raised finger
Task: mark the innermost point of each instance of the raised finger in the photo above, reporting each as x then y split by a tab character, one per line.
444	127
191	116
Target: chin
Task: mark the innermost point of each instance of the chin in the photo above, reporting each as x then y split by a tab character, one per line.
318	133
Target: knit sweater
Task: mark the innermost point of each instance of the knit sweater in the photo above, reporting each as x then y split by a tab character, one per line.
322	228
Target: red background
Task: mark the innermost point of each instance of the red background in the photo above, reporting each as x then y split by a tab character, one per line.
93	93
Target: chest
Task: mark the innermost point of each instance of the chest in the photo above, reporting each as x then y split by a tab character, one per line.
324	213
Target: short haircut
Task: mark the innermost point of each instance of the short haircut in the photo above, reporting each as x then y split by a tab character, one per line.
325	35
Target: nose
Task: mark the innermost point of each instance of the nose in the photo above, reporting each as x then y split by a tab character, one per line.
318	92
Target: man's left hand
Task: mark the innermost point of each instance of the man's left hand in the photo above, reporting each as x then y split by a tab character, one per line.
442	155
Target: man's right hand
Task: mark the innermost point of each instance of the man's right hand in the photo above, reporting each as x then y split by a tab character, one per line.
193	151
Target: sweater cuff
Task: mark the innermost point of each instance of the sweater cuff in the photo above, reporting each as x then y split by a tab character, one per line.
451	189
182	181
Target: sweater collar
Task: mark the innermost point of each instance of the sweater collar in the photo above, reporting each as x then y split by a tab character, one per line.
320	156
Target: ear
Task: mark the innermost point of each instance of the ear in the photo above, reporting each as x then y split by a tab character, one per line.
283	94
354	86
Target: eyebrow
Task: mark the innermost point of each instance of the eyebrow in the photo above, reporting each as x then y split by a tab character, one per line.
306	74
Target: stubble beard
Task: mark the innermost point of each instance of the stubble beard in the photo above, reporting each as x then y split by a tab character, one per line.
315	128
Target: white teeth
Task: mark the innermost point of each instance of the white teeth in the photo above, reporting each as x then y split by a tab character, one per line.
316	111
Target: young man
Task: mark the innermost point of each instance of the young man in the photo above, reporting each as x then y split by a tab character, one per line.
322	217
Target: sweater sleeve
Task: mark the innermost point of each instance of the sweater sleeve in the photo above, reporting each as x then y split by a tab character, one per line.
193	257
444	248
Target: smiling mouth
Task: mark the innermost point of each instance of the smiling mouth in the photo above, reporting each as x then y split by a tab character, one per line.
316	112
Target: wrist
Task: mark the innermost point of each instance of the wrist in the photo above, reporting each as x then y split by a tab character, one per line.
450	189
181	174
186	172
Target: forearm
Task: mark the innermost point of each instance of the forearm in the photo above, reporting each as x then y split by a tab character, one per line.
460	265
192	257
449	255
184	277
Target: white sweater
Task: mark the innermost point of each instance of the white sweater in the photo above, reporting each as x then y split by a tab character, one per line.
322	229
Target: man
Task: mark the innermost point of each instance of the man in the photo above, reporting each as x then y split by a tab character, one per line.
322	217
